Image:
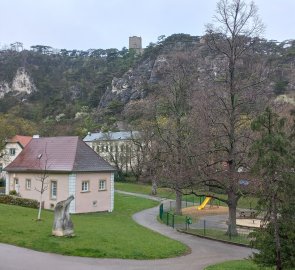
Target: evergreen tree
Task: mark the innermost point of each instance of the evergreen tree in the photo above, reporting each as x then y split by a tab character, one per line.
274	166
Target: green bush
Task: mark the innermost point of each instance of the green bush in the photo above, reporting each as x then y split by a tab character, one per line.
13	200
13	192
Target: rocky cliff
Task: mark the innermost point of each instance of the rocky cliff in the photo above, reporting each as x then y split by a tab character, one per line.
136	83
22	85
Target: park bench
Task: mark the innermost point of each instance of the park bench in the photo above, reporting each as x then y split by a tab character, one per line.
248	214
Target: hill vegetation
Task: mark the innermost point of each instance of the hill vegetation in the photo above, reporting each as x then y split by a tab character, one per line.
71	92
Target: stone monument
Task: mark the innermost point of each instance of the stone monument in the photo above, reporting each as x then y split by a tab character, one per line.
63	225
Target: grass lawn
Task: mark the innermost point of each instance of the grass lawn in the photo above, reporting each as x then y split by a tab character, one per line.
101	235
144	189
234	265
244	202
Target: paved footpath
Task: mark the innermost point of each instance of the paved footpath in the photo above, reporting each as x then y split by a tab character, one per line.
204	252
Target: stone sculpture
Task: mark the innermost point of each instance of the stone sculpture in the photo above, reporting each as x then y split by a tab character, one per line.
63	225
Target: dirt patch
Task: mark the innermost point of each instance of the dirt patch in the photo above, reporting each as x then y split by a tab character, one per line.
208	210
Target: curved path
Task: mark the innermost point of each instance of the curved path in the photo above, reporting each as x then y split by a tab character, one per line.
204	252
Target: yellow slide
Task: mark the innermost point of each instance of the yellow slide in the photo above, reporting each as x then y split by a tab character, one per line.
207	199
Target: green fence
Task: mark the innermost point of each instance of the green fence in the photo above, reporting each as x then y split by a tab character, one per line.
206	226
169	218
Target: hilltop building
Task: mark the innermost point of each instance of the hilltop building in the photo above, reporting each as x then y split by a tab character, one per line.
136	44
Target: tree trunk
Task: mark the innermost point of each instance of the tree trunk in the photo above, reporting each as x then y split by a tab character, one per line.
178	202
276	234
40	207
232	218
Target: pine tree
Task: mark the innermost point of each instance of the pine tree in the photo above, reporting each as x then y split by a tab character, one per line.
274	166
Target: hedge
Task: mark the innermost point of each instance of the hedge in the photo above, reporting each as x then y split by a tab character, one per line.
14	200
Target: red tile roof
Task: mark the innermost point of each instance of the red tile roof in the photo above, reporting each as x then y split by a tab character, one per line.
22	140
58	154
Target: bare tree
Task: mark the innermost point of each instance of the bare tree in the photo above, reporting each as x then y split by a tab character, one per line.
172	107
139	153
42	179
233	94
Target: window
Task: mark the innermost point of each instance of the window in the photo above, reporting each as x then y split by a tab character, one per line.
85	186
28	183
102	185
15	181
107	148
53	189
1	167
12	151
16	185
97	149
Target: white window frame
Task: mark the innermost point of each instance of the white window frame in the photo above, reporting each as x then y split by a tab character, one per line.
12	151
53	189
15	182
85	186
102	184
28	184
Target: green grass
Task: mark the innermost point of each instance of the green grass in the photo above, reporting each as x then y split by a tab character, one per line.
244	202
144	189
101	235
220	235
236	265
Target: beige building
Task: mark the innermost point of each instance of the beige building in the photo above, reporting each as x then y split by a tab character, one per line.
121	149
67	166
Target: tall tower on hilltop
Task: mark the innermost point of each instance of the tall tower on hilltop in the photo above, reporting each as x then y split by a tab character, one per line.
136	44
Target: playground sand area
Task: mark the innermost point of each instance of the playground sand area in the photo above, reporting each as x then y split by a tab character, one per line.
220	210
249	222
206	211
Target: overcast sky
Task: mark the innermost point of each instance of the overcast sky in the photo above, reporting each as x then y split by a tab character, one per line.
84	24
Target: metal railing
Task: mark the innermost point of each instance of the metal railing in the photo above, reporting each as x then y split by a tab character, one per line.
214	226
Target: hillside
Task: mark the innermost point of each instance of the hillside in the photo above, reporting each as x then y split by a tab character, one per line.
71	92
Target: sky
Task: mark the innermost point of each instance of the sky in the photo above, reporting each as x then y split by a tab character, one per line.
85	24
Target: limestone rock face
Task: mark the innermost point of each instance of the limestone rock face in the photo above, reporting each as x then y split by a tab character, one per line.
4	89
21	85
139	81
22	82
63	225
133	85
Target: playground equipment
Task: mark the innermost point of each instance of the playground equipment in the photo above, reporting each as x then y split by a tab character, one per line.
207	199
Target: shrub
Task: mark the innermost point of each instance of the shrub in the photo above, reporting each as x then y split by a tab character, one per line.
13	192
8	199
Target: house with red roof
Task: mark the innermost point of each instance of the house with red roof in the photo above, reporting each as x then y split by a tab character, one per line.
12	149
69	167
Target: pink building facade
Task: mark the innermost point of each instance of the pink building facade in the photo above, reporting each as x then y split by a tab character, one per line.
88	177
